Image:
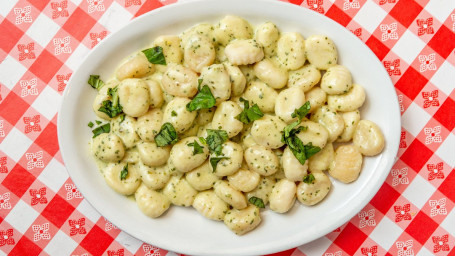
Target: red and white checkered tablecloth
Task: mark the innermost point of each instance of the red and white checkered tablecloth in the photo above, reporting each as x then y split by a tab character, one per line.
43	41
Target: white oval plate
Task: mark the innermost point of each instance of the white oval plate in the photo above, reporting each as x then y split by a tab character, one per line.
183	229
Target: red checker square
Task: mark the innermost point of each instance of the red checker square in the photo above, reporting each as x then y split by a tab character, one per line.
39	4
283	253
60	80
32	123
377	47
405	11
416	155
400	176
35	160
77	226
385	198
18	180
394	66
350	239
58	211
48	139
430	98
421	227
96	241
435	171
425	26
447	187
148	6
45	66
445	114
38	196
108	227
28	87
389	31
438	206
41	231
97	33
338	15
59	11
9	35
441	242
25	247
358	31
443	42
296	2
370	246
79	24
13	107
411	83
405	245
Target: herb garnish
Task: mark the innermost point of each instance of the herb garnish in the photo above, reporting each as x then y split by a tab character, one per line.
257	201
204	99
124	172
214	161
112	107
90	124
248	114
95	82
105	128
166	136
309	178
215	140
155	55
197	149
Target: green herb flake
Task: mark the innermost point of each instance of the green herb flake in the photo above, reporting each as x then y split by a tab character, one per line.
204	99
105	128
197	149
173	113
248	114
90	124
98	122
122	117
124	172
302	111
112	107
155	55
257	201
166	136
214	161
95	82
215	140
309	179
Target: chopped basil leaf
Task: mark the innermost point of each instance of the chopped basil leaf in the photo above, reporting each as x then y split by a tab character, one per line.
111	107
173	113
309	178
124	172
95	82
248	114
122	118
214	161
155	55
311	150
257	201
215	140
199	82
204	99
302	111
98	122
105	128
166	136
197	149
90	124
202	140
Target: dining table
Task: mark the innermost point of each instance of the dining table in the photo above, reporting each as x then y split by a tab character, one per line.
42	212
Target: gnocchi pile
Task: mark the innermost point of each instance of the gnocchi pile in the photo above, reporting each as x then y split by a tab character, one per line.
228	119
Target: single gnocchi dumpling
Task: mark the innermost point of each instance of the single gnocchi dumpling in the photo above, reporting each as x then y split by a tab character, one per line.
202	29
305	77
136	67
125	128
287	102
242	221
351	119
293	169
122	177
99	99
349	101
152	155
202	177
291	50
148	125
263	190
230	195
336	80
199	52
267	35
270	74
244	52
151	202
177	114
108	147
238	80
192	131
154	177
317	98
217	79
171	48
182	157
321	160
314	192
179	191
210	205
315	134
156	94
179	81
267	131
262	94
321	52
347	164
131	156
134	96
233	161
204	116
282	197
232	27
225	118
248	72
244	180
262	160
331	120
368	138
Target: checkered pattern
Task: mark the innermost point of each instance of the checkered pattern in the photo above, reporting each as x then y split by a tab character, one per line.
42	212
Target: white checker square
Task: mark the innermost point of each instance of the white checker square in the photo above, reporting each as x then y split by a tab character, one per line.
414	119
115	17
408	46
440	9
130	243
54	175
21	216
444	78
424	252
47	103
386	233
61	244
11	71
7	6
317	247
76	2
447	149
43	30
88	211
419	191
16	144
449	223
370	16
76	58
